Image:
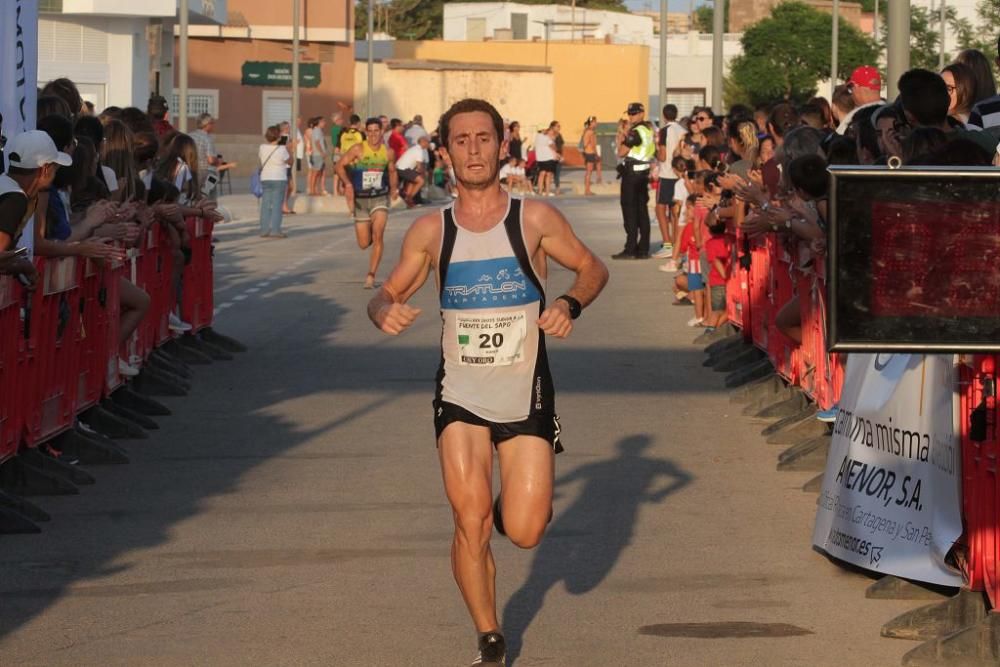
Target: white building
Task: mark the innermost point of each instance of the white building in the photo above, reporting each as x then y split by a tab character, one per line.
478	21
116	51
689	55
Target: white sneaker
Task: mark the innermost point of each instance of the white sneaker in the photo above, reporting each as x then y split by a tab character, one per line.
666	250
669	267
177	325
127	369
695	321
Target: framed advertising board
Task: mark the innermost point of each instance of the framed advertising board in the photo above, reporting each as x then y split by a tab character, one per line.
914	259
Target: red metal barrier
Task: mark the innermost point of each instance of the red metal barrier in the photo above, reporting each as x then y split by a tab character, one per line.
759	290
52	354
980	443
737	285
197	292
11	417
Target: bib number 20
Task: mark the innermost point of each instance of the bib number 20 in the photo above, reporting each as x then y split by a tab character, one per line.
486	341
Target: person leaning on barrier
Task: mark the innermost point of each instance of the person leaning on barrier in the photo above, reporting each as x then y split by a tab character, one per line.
638	148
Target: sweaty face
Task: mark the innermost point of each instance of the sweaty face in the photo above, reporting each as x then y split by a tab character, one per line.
373	133
474	149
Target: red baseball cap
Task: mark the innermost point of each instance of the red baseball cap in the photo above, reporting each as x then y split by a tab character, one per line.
867	76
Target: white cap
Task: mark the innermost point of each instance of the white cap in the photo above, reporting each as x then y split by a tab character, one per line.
34	149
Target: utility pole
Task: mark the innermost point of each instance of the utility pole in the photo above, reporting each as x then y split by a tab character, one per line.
572	22
663	53
897	44
294	120
941	62
835	49
371	55
182	70
875	34
718	28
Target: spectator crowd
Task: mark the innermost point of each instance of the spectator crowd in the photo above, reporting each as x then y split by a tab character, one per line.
95	185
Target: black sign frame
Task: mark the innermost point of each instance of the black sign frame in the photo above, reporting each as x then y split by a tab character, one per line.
853	324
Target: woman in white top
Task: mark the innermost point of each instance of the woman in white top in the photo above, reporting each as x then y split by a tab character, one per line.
274	160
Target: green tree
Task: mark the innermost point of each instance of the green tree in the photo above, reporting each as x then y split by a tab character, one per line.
785	55
424	19
705	15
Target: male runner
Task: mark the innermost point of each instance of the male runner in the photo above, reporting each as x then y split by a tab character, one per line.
489	252
368	189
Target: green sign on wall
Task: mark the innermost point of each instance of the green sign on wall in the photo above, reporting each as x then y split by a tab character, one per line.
279	75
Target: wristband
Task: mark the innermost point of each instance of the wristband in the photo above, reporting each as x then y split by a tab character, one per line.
574	306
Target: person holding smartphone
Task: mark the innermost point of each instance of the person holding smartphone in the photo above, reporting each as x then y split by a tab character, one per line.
274	160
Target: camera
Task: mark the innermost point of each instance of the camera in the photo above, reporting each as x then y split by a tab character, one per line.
632	139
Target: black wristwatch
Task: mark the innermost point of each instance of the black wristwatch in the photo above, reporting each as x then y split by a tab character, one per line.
574	306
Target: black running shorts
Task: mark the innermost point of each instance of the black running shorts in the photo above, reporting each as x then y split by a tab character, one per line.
545	427
665	191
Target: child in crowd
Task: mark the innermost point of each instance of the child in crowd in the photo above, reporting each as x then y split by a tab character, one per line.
512	175
719	254
678	213
692	281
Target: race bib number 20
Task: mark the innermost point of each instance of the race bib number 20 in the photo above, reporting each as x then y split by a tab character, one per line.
492	339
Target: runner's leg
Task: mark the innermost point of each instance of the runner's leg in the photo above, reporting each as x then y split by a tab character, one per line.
379	220
527	468
466	458
363	231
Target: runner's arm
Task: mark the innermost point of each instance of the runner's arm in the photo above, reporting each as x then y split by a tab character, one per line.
393	175
388	310
561	244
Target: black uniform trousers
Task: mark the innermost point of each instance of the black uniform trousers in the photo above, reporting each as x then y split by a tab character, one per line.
635	211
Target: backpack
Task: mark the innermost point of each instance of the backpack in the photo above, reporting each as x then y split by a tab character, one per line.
256	187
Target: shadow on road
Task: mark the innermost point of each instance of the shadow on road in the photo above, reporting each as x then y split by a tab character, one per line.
597	527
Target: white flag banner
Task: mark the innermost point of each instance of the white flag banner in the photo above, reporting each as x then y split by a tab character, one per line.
19	73
891	499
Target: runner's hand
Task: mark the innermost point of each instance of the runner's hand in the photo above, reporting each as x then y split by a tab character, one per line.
394	318
556	320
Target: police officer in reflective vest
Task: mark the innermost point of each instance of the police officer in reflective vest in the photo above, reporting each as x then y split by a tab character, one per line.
638	148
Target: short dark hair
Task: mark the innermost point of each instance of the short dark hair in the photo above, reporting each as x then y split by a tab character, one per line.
394	123
69	93
710	155
679	163
924	96
157	106
812	115
740	112
374	120
273	133
782	118
670	112
355	119
21	171
470	105
59	128
808	173
90	127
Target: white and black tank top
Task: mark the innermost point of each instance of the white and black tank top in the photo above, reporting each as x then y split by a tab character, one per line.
493	360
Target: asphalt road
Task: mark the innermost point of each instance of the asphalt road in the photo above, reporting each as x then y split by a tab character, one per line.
291	511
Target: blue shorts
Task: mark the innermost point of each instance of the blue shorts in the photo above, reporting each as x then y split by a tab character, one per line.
695	282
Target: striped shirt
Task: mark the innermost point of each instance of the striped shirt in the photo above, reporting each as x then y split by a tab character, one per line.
986	113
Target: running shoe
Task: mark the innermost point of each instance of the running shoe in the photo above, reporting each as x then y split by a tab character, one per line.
669	267
492	650
828	416
177	325
665	251
695	321
127	369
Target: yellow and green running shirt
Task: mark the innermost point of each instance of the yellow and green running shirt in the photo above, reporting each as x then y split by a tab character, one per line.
370	173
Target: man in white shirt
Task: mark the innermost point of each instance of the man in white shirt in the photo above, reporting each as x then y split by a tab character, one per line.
669	138
415	130
546	157
412	170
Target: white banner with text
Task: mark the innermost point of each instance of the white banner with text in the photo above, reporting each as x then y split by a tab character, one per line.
891	498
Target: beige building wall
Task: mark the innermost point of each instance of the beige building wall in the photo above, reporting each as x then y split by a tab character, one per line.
744	13
587	79
402	91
